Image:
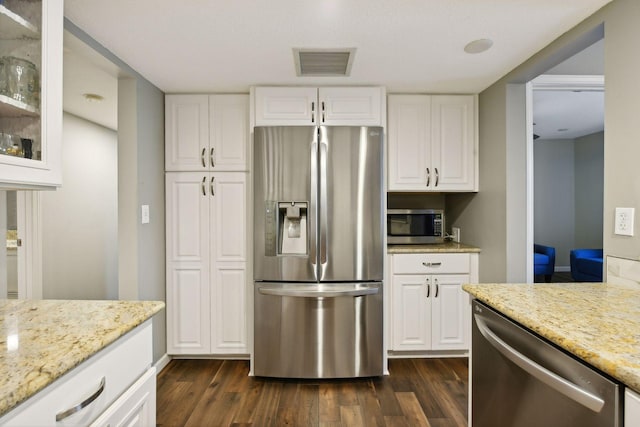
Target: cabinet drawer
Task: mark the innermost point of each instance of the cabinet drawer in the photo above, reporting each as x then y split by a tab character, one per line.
120	364
435	263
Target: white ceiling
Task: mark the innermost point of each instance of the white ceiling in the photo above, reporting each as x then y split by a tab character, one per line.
234	49
407	46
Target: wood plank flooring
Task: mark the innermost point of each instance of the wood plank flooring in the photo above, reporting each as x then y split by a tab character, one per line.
418	392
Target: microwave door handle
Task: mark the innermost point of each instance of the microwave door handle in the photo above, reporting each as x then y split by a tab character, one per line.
551	379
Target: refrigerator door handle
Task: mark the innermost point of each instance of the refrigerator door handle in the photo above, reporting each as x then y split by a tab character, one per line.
553	380
313	206
319	292
324	223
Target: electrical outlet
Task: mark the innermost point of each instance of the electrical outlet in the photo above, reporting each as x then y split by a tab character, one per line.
145	214
455	234
624	221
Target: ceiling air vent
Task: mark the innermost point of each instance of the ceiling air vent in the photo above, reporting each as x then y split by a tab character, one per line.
323	62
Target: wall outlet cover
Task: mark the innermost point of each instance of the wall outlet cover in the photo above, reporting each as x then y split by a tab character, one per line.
623	222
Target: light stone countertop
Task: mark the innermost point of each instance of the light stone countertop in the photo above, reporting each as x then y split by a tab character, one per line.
40	340
448	247
597	322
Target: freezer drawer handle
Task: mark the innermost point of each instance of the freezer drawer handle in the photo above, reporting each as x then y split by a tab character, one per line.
551	379
279	292
80	406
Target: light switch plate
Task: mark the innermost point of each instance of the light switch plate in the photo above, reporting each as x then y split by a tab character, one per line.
624	221
145	214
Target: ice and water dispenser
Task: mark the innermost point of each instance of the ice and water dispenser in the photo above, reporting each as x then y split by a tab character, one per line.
286	228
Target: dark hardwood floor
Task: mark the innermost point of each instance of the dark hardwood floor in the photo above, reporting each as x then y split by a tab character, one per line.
418	392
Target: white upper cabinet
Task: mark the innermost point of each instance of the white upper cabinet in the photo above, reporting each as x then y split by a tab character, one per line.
206	132
332	106
31	93
432	143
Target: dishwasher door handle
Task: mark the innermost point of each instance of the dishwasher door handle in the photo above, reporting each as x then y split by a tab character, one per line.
319	293
551	379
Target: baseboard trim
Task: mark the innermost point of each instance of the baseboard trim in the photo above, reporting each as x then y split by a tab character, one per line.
162	363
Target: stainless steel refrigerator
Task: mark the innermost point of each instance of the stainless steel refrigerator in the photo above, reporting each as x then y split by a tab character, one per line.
318	251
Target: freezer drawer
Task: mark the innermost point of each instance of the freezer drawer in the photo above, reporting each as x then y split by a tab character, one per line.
318	330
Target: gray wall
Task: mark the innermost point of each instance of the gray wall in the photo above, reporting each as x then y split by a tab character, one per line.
589	189
554	196
618	23
79	220
141	265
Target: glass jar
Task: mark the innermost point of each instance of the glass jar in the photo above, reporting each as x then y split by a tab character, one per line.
22	80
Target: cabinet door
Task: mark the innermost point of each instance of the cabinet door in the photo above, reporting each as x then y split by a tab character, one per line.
229	309
228	263
631	408
450	311
188	261
33	31
135	408
229	132
351	106
411	312
228	216
187	133
292	106
409	135
453	143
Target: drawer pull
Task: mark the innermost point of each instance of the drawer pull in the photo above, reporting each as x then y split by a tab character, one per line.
80	406
432	264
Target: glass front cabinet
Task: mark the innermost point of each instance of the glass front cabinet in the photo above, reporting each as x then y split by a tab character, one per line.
30	93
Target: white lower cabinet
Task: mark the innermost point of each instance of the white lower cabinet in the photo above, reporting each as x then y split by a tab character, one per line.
206	216
430	311
631	408
115	387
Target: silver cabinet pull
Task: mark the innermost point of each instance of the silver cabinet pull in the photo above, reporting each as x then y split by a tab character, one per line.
213	193
80	406
204	189
437	177
437	288
204	163
553	380
428	177
432	264
213	163
313	112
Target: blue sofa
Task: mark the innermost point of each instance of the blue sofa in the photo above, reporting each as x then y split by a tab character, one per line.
586	265
544	261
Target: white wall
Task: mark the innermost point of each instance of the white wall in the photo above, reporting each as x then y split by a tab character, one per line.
554	196
80	219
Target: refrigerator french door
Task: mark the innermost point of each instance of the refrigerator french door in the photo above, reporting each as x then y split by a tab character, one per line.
318	251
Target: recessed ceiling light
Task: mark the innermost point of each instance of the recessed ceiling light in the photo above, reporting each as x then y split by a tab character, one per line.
93	97
478	46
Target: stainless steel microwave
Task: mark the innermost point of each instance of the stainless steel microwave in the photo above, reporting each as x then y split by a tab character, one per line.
415	226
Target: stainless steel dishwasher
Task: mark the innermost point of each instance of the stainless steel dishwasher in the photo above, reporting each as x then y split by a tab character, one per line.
521	380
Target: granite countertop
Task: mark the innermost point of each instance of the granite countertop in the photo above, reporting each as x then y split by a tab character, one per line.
40	340
448	247
597	322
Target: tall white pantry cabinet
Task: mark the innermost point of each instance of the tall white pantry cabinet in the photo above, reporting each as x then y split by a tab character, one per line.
206	164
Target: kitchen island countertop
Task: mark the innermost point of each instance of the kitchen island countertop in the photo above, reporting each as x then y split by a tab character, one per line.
597	322
41	340
447	247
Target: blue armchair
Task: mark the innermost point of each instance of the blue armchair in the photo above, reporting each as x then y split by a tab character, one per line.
586	265
544	261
